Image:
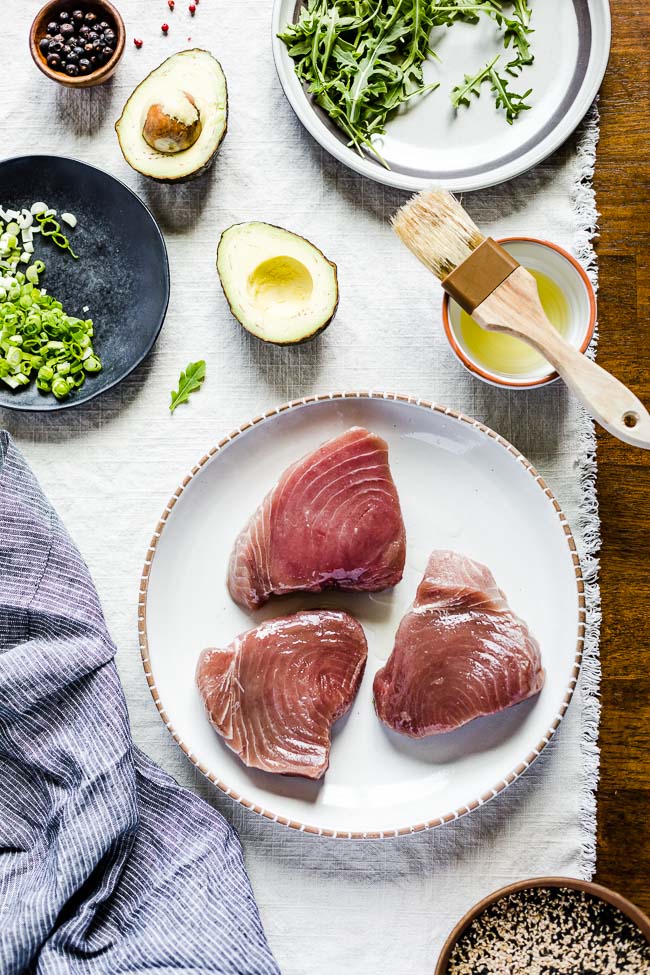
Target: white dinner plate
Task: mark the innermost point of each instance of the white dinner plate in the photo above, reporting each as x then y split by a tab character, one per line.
475	147
462	487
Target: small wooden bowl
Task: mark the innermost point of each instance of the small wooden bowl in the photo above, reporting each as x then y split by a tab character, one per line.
635	915
104	11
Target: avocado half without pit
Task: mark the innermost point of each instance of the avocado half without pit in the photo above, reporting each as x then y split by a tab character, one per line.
279	286
174	121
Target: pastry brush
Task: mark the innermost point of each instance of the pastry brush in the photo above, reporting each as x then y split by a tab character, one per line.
502	296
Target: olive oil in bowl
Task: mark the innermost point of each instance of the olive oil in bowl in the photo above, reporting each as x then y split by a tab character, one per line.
503	354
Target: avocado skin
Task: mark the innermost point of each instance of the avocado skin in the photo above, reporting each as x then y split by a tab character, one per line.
209	162
317	331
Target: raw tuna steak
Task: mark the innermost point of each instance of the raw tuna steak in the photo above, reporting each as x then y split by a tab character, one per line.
276	691
333	521
459	653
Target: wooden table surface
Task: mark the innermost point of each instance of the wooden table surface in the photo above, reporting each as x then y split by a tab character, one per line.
622	187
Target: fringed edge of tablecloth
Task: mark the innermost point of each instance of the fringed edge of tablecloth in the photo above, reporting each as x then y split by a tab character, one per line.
589	539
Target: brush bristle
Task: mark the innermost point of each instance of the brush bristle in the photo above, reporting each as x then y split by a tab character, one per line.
434	226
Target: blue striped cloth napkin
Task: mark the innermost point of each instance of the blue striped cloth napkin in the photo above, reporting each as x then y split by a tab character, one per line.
107	866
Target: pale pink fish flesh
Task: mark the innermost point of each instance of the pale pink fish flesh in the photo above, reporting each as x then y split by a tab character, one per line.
275	692
333	521
460	653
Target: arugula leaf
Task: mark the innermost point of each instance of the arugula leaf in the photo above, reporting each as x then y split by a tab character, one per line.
511	101
190	380
461	94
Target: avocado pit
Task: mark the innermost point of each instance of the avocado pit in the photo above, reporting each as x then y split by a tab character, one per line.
173	124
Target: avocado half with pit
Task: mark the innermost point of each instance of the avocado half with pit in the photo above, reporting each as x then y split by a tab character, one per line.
279	286
174	121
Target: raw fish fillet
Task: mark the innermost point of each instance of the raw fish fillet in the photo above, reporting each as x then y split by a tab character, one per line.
333	521
459	653
275	692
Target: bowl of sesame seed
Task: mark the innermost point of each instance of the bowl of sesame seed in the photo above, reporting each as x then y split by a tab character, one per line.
549	926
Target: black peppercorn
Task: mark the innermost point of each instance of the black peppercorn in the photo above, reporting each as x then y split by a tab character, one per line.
93	60
78	15
73	58
63	16
44	45
72	70
53	60
109	36
88	48
53	27
66	50
93	35
107	53
84	65
55	47
83	30
67	30
90	17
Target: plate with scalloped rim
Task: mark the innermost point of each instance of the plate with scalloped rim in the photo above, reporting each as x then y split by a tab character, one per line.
428	142
461	486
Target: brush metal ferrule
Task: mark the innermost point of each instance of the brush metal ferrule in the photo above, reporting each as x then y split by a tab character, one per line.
476	278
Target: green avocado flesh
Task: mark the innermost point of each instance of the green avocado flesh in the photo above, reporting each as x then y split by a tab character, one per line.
279	286
188	92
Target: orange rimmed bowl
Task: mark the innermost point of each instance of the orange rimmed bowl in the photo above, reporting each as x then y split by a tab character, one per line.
563	270
104	10
638	918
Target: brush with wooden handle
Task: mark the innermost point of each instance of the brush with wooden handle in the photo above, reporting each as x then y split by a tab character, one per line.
502	296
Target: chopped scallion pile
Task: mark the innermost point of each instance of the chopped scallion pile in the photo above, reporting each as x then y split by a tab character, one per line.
39	341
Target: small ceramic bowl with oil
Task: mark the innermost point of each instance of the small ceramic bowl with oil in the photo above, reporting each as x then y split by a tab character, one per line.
569	301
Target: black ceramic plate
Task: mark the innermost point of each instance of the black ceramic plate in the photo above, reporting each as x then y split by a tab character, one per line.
122	274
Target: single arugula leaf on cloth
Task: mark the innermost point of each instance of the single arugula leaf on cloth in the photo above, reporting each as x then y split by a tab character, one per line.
190	380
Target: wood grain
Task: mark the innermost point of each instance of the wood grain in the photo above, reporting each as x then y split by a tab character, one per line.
622	185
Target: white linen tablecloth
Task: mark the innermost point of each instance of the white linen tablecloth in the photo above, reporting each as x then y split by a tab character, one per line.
380	908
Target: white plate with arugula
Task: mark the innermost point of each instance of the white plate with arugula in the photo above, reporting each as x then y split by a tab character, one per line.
461	93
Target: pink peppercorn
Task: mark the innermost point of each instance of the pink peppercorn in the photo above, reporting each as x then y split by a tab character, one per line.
137	42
